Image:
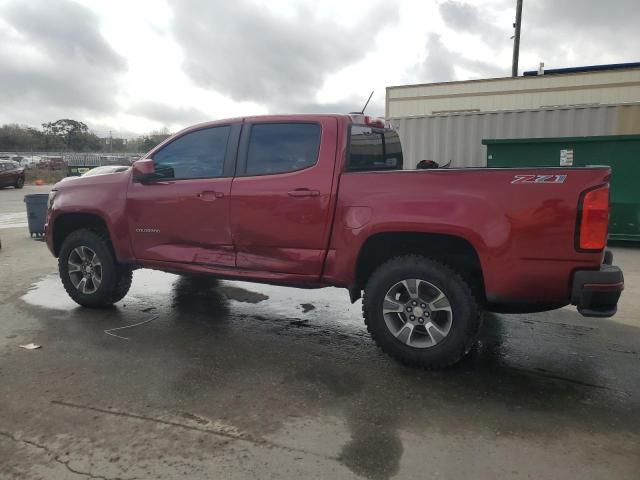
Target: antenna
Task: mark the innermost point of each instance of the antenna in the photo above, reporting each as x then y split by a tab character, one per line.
368	100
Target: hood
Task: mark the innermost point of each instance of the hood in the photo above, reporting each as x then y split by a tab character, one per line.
93	180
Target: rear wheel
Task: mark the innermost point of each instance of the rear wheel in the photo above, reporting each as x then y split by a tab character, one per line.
421	312
19	182
89	272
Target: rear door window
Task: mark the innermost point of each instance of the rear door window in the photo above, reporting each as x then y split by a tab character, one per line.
374	149
282	147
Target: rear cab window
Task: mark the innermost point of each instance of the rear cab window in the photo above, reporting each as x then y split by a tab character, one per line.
282	147
373	149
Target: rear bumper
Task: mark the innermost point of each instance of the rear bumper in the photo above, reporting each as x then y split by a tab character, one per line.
596	292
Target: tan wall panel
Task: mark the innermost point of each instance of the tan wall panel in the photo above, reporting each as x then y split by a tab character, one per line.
515	93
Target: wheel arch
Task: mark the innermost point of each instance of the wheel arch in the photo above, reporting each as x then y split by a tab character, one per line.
66	223
455	251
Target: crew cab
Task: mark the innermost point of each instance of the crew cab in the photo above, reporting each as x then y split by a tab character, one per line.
312	201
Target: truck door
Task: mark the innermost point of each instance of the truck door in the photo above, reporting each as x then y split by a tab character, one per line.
281	195
182	214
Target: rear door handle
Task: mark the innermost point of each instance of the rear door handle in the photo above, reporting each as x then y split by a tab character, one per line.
304	192
210	195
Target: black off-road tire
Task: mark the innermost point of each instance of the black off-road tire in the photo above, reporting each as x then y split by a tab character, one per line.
19	183
123	284
466	315
116	278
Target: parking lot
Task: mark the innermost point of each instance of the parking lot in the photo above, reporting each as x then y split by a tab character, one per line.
234	380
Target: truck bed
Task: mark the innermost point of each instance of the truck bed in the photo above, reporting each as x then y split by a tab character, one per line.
521	222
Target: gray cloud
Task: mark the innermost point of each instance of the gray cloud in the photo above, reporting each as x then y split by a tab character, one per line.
169	115
75	69
594	31
467	18
351	104
460	16
440	62
242	50
560	33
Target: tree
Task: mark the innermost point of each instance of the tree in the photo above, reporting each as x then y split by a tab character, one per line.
145	143
71	135
74	134
15	137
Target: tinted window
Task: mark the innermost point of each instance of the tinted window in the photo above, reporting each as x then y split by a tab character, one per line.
282	147
374	149
198	154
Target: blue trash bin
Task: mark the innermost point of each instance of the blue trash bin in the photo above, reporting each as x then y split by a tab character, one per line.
36	212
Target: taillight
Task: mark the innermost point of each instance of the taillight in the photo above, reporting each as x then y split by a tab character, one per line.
594	219
374	122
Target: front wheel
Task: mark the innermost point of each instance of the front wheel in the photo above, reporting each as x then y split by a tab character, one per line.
19	183
421	312
89	272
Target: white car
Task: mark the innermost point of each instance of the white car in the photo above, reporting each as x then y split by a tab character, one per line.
104	170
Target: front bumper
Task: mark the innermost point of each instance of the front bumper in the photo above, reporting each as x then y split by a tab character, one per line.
596	292
48	236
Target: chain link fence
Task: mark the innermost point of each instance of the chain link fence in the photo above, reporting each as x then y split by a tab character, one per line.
69	163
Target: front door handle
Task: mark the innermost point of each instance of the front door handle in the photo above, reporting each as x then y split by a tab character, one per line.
304	192
210	195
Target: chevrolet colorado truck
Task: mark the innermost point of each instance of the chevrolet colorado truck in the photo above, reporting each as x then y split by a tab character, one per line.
312	201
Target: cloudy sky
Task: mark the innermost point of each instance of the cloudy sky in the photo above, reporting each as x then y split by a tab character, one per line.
133	66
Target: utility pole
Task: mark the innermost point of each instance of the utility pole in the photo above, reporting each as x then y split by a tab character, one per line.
516	39
110	142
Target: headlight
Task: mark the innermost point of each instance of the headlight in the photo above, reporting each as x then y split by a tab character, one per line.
52	196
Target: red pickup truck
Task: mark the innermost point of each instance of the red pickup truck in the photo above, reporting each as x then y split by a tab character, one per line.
322	200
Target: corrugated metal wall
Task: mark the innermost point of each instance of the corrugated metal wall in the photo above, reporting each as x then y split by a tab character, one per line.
458	137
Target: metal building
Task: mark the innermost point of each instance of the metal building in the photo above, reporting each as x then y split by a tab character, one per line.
447	122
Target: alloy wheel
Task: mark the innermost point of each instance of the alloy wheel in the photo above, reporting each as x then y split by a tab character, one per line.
417	313
85	270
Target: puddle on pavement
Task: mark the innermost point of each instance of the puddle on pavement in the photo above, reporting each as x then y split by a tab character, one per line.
158	289
326	305
241	295
49	292
552	347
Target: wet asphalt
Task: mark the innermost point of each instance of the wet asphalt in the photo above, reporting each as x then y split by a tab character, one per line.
236	380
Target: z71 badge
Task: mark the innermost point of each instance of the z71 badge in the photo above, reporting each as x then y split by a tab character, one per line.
539	179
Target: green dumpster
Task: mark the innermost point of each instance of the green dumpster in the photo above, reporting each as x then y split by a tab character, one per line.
620	152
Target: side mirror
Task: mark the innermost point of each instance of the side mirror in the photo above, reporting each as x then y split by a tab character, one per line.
143	170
